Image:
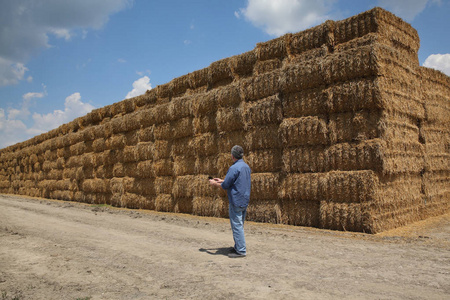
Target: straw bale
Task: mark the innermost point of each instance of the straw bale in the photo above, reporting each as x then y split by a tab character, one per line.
229	119
55	174
131	137
180	107
121	185
264	160
146	134
204	124
126	169
304	187
224	162
275	48
164	92
51	155
402	97
141	186
219	73
49	165
204	104
353	156
399	127
198	79
183	165
163	131
261	86
164	202
350	186
163	167
182	128
210	206
160	113
183	205
266	211
104	171
265	186
99	145
355	27
300	212
182	147
304	131
60	163
131	121
144	169
304	159
201	186
437	157
61	152
359	126
130	154
228	95
308	55
242	65
438	110
144	151
265	66
338	186
204	144
263	137
262	112
305	103
435	133
69	173
183	186
118	125
403	157
180	85
116	142
354	95
348	65
137	201
163	185
206	165
342	216
110	157
77	149
161	149
226	140
96	186
301	77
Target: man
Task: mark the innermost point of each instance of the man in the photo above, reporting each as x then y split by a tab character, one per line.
237	184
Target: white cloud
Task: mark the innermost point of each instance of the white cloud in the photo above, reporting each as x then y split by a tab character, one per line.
406	9
73	108
121	60
439	62
282	16
140	86
27	24
11	72
13	128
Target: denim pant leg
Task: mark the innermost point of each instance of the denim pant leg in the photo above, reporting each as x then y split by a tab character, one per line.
237	217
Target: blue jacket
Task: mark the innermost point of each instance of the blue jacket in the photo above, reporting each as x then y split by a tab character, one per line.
237	182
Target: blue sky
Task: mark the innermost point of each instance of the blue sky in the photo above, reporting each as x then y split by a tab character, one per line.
61	59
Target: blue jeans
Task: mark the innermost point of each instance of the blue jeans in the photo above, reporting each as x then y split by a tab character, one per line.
237	218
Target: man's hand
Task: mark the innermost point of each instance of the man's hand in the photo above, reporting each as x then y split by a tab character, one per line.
216	182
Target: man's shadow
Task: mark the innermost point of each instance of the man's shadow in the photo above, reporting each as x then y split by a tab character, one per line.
216	251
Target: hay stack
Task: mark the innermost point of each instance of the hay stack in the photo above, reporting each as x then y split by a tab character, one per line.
340	125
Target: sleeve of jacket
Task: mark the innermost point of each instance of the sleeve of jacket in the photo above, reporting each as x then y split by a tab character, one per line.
230	178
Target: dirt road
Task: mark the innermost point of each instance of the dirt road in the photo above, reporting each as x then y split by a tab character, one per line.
64	250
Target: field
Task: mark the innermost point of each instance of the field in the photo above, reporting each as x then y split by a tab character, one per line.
66	250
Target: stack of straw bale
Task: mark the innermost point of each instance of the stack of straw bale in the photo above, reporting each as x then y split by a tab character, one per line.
340	125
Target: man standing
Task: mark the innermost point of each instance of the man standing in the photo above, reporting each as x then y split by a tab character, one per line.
237	184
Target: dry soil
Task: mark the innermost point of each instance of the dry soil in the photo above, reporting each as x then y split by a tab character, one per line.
65	250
